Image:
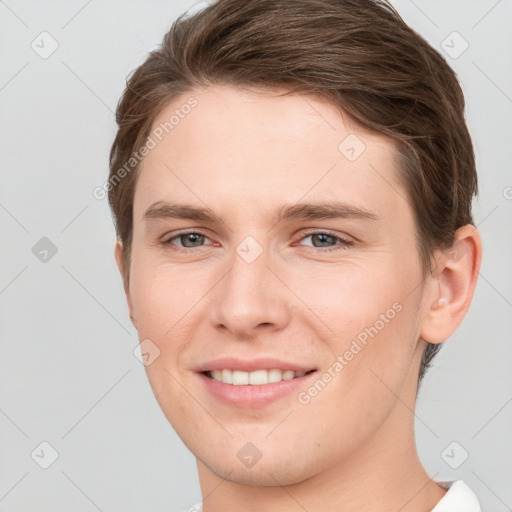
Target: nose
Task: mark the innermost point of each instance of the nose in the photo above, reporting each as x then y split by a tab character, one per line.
250	299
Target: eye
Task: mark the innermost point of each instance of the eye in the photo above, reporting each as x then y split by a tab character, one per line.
188	240
326	237
323	240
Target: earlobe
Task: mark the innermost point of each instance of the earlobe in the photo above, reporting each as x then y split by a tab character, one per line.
118	254
453	286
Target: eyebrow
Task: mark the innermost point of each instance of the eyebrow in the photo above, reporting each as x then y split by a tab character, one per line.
299	211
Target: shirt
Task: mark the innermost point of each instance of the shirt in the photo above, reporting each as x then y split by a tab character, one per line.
459	498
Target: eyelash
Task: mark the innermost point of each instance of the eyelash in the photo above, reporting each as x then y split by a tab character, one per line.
345	244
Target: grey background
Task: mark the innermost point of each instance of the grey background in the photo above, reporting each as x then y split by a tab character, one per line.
68	373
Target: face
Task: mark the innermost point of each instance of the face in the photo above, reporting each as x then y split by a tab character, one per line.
271	233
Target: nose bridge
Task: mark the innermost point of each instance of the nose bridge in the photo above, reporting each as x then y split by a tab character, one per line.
250	295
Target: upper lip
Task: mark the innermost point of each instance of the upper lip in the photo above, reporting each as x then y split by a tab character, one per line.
267	363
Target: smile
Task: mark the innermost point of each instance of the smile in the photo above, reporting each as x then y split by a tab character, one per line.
254	378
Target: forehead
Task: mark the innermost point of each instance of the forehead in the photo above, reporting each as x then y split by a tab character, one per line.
225	144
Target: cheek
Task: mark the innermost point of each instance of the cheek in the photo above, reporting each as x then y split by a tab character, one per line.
163	297
164	305
348	298
167	301
367	317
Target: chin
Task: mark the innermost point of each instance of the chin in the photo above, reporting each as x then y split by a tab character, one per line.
272	470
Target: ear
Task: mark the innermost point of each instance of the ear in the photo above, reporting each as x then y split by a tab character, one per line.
118	253
453	283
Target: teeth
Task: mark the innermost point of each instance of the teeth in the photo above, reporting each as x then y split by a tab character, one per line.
274	376
240	378
255	378
226	376
258	377
288	374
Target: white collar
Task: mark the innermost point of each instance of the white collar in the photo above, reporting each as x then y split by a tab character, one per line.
459	498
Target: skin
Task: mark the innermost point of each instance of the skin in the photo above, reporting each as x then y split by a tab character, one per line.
243	154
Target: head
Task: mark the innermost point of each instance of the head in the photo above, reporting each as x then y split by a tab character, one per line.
250	106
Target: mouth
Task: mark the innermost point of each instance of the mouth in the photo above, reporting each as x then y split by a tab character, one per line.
254	378
253	383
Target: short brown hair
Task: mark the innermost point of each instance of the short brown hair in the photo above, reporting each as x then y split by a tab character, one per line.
358	54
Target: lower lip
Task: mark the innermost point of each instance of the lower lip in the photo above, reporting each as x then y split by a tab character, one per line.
253	396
